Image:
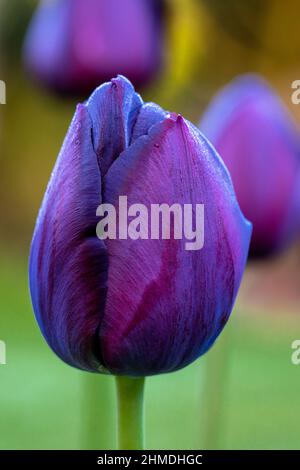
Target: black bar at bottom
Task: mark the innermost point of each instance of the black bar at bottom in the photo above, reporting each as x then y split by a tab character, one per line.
130	459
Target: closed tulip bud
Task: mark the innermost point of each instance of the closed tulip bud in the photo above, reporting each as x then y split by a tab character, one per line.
260	145
134	306
73	45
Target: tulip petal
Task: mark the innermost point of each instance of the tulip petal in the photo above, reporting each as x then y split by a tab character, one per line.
149	115
165	306
113	108
68	263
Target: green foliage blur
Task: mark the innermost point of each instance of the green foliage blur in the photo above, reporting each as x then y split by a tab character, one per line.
46	404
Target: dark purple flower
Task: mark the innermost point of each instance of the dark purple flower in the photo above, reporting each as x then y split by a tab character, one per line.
73	45
260	145
135	307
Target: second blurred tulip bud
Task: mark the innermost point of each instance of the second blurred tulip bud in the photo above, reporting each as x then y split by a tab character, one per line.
73	45
260	145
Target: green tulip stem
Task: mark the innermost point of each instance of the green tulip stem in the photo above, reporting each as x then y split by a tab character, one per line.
130	396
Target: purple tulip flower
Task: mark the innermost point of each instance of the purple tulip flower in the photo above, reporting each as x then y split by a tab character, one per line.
134	307
260	145
73	45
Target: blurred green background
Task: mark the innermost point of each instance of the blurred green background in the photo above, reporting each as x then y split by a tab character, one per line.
46	404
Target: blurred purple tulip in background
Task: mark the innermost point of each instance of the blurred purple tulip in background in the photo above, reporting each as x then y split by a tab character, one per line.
260	144
73	45
134	307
